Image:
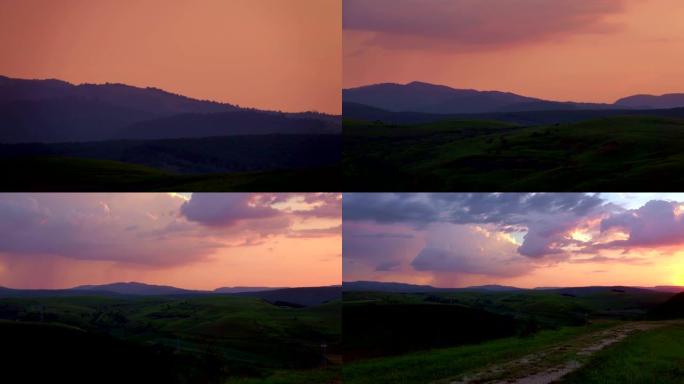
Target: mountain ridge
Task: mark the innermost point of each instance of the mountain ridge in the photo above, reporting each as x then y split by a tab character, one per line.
417	96
52	111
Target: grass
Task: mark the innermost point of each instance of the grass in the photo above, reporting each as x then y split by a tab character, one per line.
316	376
245	337
616	153
65	174
429	366
655	356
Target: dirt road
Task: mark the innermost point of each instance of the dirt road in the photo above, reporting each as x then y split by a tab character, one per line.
553	363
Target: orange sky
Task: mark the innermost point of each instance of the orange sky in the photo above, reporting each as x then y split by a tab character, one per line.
204	241
268	54
627	47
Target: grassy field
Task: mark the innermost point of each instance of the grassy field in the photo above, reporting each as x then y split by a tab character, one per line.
656	356
64	174
423	337
429	366
219	336
616	153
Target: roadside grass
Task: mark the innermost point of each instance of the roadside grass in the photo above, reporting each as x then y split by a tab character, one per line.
433	365
316	376
655	356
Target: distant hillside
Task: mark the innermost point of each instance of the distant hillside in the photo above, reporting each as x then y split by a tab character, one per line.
671	100
378	286
297	296
356	111
669	288
244	289
304	296
226	124
198	155
57	111
151	100
671	309
133	288
430	98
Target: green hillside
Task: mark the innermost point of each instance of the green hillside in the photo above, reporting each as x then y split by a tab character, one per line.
615	153
240	337
56	174
479	336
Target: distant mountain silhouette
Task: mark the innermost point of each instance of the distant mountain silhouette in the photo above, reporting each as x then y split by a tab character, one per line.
293	297
671	100
225	124
151	100
669	288
244	289
56	111
133	288
379	286
430	98
493	288
356	111
305	296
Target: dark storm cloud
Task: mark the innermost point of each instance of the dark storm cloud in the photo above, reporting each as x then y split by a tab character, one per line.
463	208
429	24
225	209
545	217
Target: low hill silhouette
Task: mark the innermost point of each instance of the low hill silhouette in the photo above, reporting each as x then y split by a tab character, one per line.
56	111
671	309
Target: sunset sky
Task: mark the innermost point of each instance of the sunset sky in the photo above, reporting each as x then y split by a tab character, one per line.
580	50
524	240
198	241
268	54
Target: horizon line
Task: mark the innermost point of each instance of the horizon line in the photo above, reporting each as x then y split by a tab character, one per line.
512	286
509	92
75	84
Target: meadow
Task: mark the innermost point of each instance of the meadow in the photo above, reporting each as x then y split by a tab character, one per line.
506	336
608	153
173	339
232	163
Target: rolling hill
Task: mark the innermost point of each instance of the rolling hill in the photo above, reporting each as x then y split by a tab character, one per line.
612	153
178	339
52	111
429	98
134	288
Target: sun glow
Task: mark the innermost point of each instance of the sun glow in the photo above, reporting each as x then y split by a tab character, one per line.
580	235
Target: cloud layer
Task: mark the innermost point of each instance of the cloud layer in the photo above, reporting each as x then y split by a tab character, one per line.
472	24
154	232
499	235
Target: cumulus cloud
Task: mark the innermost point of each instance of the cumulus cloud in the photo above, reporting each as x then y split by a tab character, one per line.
226	209
153	229
114	227
463	249
444	236
656	223
474	24
544	217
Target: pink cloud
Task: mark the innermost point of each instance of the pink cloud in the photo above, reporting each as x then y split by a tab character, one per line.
657	223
